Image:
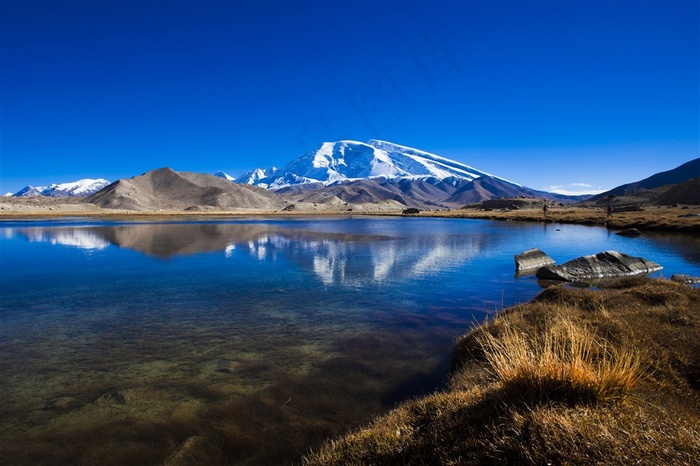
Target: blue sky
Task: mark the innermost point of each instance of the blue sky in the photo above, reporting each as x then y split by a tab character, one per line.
578	95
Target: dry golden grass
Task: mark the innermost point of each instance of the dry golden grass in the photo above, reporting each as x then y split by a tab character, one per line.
565	362
685	219
575	377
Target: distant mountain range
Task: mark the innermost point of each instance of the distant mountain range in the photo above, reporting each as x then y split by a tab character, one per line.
343	174
427	193
80	188
677	186
677	175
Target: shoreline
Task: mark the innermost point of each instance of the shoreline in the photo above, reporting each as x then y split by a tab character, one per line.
684	219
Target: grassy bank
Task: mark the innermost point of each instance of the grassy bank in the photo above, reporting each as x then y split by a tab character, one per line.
651	218
610	376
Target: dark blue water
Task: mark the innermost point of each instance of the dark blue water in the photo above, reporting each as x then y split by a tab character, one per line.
258	338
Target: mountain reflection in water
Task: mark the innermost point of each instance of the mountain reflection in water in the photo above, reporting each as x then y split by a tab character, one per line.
335	258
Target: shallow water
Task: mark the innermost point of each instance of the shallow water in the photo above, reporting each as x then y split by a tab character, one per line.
248	341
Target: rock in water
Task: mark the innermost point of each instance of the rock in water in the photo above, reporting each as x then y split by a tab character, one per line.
683	278
630	233
531	259
608	264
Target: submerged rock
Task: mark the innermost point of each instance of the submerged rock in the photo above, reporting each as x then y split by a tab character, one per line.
630	233
62	403
186	454
607	264
111	398
532	259
683	278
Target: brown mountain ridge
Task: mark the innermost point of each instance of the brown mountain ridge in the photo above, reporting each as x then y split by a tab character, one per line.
166	189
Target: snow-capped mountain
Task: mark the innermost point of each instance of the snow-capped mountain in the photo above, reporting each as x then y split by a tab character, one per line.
224	175
253	177
80	188
31	191
352	160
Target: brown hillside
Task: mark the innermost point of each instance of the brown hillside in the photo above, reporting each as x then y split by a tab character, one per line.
167	189
684	193
678	175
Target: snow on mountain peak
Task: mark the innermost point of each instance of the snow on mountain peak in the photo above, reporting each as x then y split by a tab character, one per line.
80	188
351	160
31	191
254	177
224	175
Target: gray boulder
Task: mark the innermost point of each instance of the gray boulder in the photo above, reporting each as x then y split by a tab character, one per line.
608	264
531	259
683	278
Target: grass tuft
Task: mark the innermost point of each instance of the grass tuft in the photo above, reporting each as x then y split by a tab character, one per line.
565	362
